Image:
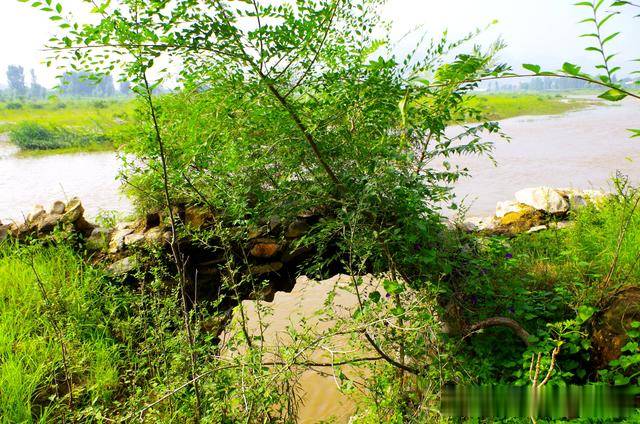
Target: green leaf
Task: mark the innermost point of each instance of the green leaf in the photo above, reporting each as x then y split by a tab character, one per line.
533	68
613	95
611	37
375	296
392	287
604	21
59	8
585	312
621	380
571	69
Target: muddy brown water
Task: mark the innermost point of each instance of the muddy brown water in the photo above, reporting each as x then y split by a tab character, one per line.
582	149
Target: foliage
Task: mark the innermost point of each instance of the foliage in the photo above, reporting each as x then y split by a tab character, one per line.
33	136
14	106
15	77
289	109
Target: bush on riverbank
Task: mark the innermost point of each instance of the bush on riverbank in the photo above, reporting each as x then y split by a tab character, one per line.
34	136
126	346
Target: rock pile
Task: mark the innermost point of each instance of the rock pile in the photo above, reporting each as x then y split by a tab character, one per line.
268	253
40	222
534	209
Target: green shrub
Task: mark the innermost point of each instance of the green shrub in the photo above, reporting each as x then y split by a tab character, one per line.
14	106
100	104
34	136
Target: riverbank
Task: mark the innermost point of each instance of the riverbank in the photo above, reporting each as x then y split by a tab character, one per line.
106	119
502	106
107	296
66	125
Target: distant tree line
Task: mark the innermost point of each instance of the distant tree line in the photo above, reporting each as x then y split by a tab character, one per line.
72	84
543	84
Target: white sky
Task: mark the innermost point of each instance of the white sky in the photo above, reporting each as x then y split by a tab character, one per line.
536	31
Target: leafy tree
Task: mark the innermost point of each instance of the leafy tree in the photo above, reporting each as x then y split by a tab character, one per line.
290	108
37	91
15	78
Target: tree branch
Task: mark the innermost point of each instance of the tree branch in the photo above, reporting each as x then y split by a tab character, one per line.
502	322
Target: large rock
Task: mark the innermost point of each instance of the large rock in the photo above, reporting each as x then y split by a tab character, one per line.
37	213
73	211
479	223
543	199
134	239
98	240
265	248
197	217
57	208
266	268
4	231
503	208
519	222
47	223
157	236
297	229
117	239
123	266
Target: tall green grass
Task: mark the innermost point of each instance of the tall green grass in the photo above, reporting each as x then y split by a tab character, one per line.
32	376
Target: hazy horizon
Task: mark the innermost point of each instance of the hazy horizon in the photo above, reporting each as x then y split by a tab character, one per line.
528	28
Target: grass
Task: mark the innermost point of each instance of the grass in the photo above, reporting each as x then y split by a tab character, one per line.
125	350
32	382
504	106
78	113
65	126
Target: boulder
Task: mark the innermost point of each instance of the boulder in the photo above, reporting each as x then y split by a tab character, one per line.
157	236
543	199
265	248
537	229
117	239
134	239
125	225
479	223
73	211
37	213
4	231
197	217
98	240
503	208
265	269
48	222
57	208
518	222
297	229
123	266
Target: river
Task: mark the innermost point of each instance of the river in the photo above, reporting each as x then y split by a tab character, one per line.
29	180
580	149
